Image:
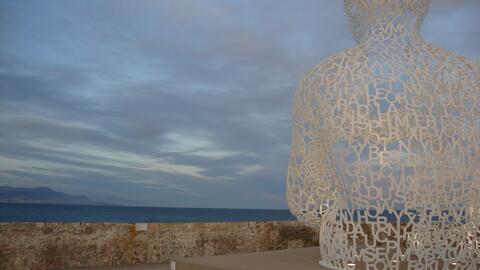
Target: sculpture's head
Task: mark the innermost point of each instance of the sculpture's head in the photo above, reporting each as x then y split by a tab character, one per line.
366	14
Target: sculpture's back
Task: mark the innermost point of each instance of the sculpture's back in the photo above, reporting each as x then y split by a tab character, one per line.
385	147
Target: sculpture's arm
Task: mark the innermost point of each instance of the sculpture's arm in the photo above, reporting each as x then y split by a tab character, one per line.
310	191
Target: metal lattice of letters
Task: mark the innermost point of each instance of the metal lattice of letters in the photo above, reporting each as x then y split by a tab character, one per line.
385	147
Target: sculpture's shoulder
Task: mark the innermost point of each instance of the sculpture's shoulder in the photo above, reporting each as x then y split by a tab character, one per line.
454	64
332	71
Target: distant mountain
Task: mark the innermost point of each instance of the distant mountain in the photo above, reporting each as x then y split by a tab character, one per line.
42	195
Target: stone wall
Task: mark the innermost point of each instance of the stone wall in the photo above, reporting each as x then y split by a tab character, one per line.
66	246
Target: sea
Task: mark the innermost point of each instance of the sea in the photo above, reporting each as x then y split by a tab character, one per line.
27	212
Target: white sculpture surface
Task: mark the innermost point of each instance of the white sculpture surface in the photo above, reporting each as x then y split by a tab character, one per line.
386	147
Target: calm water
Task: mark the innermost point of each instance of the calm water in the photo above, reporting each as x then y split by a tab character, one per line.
20	212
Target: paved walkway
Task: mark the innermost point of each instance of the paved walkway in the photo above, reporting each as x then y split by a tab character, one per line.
136	267
291	259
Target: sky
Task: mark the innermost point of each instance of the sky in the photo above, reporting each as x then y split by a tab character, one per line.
173	103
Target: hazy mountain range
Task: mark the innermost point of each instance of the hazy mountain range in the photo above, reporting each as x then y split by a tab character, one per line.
42	195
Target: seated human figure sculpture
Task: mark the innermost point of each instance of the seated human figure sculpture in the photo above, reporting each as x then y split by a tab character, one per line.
386	147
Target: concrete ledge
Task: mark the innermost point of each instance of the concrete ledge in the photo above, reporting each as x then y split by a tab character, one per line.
50	246
300	258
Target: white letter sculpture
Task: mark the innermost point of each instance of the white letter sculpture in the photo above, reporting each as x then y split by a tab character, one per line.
386	146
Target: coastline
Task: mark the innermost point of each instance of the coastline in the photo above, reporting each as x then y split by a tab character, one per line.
62	213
